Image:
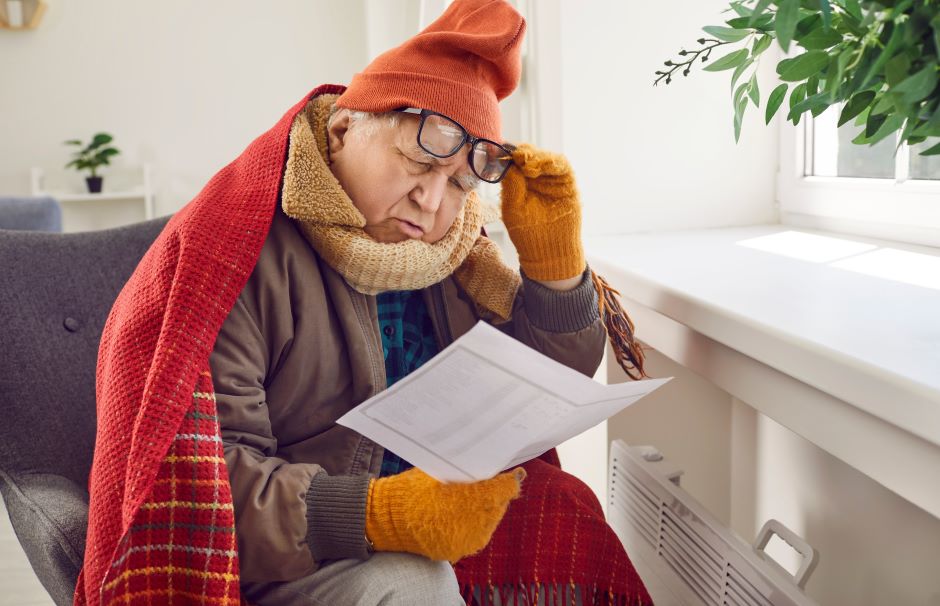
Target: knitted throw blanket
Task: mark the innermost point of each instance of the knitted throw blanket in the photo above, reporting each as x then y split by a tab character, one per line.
161	525
553	547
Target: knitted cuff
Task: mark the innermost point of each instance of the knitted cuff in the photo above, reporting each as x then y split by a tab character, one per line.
561	311
336	517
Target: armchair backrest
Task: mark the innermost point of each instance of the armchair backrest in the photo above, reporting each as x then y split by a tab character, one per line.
57	290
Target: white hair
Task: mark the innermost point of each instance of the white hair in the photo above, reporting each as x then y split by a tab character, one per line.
368	122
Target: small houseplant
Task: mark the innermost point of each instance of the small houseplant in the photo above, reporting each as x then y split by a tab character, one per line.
878	58
90	157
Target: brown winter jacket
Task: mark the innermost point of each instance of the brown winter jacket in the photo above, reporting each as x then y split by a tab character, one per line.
298	350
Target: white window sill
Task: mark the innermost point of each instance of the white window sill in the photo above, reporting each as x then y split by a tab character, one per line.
801	338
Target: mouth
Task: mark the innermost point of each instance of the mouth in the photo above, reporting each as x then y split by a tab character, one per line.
412	230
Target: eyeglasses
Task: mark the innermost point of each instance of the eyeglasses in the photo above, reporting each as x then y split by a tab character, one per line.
442	137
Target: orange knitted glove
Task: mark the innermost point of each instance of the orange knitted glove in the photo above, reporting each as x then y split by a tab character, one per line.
413	512
542	214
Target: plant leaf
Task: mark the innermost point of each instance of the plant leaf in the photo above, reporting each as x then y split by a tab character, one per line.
759	9
740	9
816	103
807	25
812	84
802	66
916	87
835	73
852	7
764	23
874	122
727	34
100	139
729	61
753	90
739	117
739	94
855	105
740	70
931	151
774	101
788	13
796	95
889	50
820	39
897	68
931	128
887	126
761	44
935	26
883	104
826	12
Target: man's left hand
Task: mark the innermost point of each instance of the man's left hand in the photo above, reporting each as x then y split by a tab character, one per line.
542	214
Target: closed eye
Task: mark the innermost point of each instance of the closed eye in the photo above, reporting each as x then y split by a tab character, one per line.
417	165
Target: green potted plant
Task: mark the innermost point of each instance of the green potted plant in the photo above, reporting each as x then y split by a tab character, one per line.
90	157
878	58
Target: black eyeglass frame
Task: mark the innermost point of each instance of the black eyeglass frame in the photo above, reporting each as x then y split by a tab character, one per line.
467	137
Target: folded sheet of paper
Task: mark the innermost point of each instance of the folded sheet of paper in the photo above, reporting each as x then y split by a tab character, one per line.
487	403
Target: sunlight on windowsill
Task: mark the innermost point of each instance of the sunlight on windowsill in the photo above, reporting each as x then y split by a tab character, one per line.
917	269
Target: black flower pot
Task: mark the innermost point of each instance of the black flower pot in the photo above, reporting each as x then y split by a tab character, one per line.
94	184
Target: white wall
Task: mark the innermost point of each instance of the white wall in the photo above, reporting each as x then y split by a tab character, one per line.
664	157
183	85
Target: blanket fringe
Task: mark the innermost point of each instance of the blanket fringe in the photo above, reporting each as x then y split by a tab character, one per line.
556	594
619	327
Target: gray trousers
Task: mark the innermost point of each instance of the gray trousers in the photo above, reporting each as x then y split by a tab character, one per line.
385	579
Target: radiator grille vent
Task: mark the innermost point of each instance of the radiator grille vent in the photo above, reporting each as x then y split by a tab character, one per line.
642	507
742	592
718	568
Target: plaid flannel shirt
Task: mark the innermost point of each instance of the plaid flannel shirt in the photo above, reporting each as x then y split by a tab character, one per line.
407	343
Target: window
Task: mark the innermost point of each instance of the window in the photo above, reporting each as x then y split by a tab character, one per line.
833	154
827	182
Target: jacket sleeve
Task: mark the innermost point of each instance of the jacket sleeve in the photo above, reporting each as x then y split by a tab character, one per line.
563	325
279	537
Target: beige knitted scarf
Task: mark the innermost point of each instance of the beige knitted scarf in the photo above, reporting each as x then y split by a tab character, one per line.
334	228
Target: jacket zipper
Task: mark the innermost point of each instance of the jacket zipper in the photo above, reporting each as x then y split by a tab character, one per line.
442	324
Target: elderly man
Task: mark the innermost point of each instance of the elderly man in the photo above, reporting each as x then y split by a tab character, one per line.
338	254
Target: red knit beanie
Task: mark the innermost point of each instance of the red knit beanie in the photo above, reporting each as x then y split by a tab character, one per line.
461	66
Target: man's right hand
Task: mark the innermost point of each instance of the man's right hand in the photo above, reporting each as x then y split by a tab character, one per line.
413	512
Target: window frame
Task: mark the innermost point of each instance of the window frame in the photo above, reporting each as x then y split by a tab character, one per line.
900	209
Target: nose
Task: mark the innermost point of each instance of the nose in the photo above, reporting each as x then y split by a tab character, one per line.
429	192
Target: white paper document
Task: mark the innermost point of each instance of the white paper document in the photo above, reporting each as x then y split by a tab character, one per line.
487	403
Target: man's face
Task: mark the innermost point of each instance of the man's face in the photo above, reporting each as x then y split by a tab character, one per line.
402	191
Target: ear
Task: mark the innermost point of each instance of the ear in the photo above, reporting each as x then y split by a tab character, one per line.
338	130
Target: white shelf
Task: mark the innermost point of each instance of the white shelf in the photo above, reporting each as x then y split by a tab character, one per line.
143	193
107	195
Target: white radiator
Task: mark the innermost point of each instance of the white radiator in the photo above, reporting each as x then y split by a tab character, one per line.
684	555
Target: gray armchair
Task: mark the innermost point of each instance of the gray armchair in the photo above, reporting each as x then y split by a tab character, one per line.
57	291
39	214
